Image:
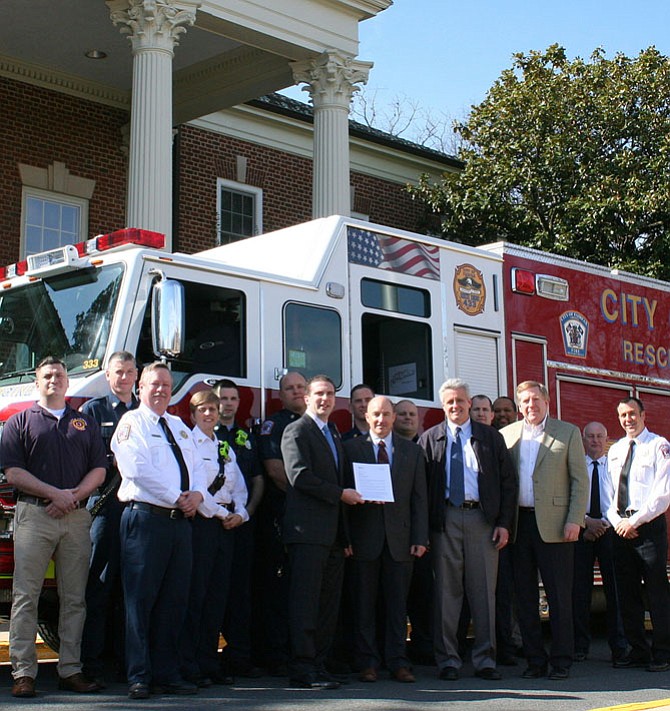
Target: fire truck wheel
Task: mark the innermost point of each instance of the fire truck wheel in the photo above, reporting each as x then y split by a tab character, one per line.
49	633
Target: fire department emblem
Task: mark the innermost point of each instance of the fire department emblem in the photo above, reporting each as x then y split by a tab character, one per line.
575	330
79	423
469	289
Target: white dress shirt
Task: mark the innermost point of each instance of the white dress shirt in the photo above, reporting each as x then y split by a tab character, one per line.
529	446
149	470
388	441
604	481
470	465
233	491
649	478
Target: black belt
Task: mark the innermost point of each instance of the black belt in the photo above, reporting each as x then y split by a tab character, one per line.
37	501
467	505
157	510
626	514
527	509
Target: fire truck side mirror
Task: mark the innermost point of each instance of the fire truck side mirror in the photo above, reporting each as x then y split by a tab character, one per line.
168	318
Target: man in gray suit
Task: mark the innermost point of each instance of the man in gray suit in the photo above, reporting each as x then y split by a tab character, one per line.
472	492
384	539
553	493
313	533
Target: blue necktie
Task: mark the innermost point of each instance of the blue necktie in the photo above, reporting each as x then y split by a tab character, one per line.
329	437
456	476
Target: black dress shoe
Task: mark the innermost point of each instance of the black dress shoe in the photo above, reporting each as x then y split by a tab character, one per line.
339	678
221	678
629	662
535	671
179	688
138	690
489	673
449	674
313	683
658	666
559	673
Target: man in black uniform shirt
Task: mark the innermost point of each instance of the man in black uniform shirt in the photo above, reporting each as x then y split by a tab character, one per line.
272	558
103	590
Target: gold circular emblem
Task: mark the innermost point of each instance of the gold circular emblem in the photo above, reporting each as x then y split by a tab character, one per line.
79	424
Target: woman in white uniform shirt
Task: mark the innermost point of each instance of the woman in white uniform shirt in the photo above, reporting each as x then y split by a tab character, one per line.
222	510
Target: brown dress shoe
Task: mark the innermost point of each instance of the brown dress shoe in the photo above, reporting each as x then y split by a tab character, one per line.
23	687
78	683
404	675
369	675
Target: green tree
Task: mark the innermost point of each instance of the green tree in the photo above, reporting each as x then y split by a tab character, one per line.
567	156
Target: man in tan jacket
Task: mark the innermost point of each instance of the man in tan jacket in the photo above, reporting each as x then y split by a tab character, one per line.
553	493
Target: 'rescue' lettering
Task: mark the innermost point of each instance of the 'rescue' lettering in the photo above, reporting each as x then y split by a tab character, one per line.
641	354
625	308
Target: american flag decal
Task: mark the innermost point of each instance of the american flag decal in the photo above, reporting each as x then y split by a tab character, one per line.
393	253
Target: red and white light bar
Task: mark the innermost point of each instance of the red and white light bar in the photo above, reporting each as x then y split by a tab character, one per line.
545	285
77	255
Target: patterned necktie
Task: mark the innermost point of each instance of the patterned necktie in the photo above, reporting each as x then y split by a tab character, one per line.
183	469
382	453
456	474
622	492
595	511
331	441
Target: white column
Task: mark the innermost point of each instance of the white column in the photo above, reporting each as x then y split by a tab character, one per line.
153	27
331	80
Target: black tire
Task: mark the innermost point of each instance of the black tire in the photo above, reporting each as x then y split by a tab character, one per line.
48	630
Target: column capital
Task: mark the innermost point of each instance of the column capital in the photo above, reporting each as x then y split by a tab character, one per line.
331	77
153	24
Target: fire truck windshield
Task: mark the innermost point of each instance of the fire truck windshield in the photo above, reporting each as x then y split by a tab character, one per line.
68	316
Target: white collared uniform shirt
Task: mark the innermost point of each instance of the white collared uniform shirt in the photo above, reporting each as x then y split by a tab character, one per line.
149	470
649	478
234	490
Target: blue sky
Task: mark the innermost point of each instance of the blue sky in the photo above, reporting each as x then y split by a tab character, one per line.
446	54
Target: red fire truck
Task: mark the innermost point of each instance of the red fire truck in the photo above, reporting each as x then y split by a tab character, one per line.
358	301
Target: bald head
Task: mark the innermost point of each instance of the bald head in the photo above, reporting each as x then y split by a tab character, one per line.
595	439
380	416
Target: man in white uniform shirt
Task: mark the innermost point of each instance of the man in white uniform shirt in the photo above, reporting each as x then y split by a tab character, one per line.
162	484
596	542
639	467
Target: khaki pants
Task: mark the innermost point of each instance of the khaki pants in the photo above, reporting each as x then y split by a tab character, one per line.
37	538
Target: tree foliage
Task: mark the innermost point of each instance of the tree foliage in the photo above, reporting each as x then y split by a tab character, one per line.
567	156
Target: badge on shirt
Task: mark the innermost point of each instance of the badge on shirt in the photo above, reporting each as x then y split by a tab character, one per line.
665	451
122	432
79	423
267	426
183	434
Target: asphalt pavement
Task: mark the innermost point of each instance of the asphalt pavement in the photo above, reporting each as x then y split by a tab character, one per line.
593	684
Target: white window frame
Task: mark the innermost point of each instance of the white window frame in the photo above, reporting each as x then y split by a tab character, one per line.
60	198
253	191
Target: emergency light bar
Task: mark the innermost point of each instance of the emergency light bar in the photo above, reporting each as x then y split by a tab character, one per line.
545	285
75	256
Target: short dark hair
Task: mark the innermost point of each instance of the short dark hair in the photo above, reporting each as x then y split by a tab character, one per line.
219	385
629	399
505	397
319	379
360	386
123	356
50	360
482	397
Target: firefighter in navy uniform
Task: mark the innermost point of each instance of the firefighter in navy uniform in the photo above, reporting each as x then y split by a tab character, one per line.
272	561
103	589
240	618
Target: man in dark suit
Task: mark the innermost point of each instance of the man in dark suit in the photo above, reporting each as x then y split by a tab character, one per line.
472	495
553	493
384	539
313	533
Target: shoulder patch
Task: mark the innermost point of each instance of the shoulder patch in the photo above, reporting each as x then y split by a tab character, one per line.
665	451
266	427
122	432
79	423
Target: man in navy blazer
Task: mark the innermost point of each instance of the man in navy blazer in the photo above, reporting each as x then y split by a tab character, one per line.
385	537
314	533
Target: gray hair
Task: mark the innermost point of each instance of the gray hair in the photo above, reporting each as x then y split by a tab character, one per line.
455	384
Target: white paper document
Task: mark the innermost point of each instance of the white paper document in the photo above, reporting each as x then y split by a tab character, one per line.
373	481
